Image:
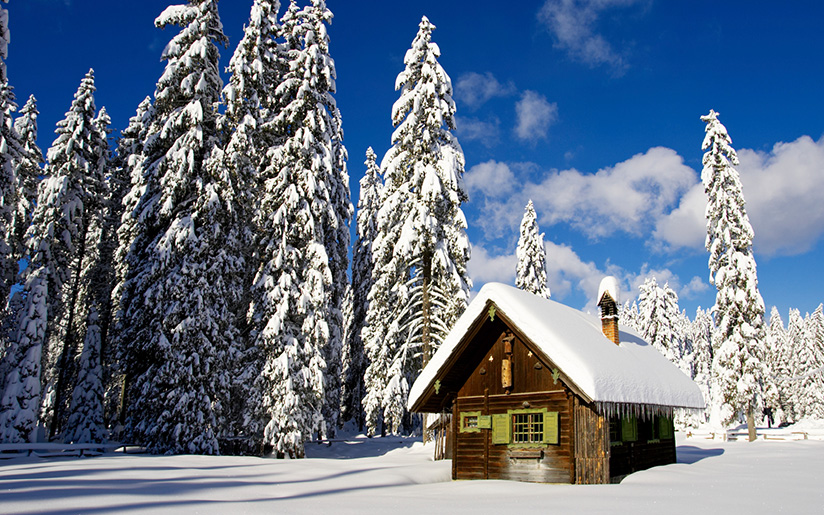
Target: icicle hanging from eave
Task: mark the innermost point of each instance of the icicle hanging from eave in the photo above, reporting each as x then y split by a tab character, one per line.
642	411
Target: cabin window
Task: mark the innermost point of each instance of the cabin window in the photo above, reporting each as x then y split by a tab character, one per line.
528	428
469	421
525	427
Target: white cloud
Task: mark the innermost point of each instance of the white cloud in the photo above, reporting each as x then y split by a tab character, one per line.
475	89
567	271
572	23
629	197
783	201
473	129
484	268
490	178
535	115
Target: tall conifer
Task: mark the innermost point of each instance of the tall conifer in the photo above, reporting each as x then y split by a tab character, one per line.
420	254
179	274
739	309
531	271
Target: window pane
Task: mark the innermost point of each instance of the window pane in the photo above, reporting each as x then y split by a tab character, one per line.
528	427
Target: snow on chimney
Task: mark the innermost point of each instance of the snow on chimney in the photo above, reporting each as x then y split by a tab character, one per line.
608	299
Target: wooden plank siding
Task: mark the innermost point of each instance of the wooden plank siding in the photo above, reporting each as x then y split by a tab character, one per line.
592	463
476	457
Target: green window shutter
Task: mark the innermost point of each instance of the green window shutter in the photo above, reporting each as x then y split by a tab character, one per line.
551	427
501	428
629	429
484	422
665	429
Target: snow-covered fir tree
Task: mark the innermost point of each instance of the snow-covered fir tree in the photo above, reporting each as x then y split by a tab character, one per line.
27	173
796	356
69	200
86	423
10	154
352	391
20	401
256	69
304	210
531	271
180	277
777	358
739	338
420	253
658	318
125	172
809	378
701	336
629	315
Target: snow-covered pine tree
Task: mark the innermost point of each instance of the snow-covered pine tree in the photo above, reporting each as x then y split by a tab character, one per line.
531	271
629	315
126	179
181	273
69	198
10	153
796	359
658	312
701	335
27	173
778	365
810	376
84	419
739	309
20	401
352	391
86	423
256	68
304	209
420	254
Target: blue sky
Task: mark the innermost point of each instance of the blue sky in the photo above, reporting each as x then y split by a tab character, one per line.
589	107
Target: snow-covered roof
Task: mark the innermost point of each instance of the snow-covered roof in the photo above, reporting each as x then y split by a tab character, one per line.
632	373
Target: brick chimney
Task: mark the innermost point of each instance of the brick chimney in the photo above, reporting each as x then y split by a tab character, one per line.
608	303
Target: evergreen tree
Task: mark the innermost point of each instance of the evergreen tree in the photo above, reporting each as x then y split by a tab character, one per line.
68	205
659	315
630	317
796	358
420	254
256	68
778	366
531	272
86	423
701	335
27	173
10	154
20	401
739	309
810	373
304	209
127	183
180	274
371	187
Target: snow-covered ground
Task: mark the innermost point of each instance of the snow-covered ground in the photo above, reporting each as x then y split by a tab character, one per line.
396	476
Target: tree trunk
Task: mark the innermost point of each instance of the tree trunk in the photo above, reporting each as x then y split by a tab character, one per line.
751	424
426	305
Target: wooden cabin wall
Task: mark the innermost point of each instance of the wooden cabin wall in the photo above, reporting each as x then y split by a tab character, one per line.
533	386
476	457
592	458
648	450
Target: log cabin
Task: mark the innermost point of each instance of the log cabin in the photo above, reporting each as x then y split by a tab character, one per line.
542	392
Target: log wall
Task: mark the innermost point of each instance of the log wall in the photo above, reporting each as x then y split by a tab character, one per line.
476	457
592	464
